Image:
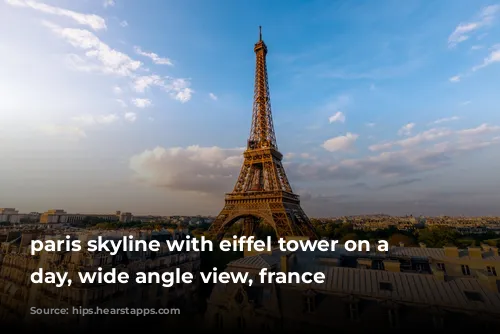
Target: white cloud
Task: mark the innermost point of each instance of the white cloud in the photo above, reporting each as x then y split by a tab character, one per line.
307	156
406	162
124	24
434	134
483	35
466	103
96	119
212	96
108	3
455	78
153	56
339	103
71	132
130	117
428	135
406	129
447	119
214	169
121	103
370	125
341	143
337	117
194	168
142	83
493	57
100	57
93	21
141	103
117	90
476	47
480	130
178	89
463	30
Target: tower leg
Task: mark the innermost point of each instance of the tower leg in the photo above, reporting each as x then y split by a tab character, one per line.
249	225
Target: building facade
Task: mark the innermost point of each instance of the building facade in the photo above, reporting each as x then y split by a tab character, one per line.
18	294
405	288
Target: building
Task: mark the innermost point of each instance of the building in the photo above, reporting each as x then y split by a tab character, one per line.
10	215
402	289
125	217
60	217
18	294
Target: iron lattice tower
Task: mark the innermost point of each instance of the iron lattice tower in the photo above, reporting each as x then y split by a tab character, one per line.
262	193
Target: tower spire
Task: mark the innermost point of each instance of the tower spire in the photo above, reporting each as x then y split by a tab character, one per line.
262	193
262	130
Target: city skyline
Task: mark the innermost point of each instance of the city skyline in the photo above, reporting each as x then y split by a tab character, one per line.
112	104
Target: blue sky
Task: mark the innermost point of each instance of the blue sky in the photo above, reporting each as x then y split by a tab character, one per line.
145	106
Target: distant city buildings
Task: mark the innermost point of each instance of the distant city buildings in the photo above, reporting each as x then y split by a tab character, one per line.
464	225
59	216
11	215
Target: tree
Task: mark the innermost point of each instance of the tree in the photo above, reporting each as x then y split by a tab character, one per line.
438	237
264	230
349	236
397	238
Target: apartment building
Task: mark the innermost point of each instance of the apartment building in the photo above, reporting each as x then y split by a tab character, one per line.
402	289
18	294
56	216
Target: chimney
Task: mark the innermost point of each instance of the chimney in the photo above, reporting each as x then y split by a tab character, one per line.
364	263
392	265
401	244
494	250
451	251
438	273
26	239
475	252
485	247
285	263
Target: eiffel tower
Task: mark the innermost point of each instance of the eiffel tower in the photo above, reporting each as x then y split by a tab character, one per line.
262	193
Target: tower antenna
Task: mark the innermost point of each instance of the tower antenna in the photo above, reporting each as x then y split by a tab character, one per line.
260	33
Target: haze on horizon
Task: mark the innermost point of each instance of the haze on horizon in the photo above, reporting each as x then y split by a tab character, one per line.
384	107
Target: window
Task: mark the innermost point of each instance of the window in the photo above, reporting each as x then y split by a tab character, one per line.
309	304
392	317
378	265
385	286
441	266
354	311
218	321
241	322
465	270
491	270
438	321
267	294
473	296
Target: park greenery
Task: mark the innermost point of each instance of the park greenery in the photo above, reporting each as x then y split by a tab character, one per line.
432	236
